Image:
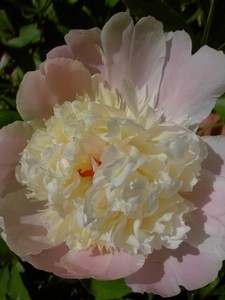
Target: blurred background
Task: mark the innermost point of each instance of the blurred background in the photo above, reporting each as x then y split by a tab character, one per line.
28	30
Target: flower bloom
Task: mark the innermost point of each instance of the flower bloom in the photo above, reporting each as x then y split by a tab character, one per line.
106	176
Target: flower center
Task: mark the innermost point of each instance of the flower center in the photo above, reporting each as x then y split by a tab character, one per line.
128	193
90	172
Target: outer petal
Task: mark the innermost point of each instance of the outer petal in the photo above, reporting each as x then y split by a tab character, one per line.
63	51
13	139
24	231
92	263
209	217
190	84
215	161
134	53
63	80
48	260
166	269
197	261
86	47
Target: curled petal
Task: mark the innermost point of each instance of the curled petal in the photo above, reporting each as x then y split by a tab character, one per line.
85	46
13	138
38	92
190	83
24	231
134	53
107	266
63	51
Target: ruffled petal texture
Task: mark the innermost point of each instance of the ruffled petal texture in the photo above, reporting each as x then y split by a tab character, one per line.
197	261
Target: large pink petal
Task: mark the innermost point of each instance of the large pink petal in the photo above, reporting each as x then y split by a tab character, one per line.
86	47
166	270
208	221
24	231
191	83
92	263
134	53
13	139
215	161
63	80
48	260
34	98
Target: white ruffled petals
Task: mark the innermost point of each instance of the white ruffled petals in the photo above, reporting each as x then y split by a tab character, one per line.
113	173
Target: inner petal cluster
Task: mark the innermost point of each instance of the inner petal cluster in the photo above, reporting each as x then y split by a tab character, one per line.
109	181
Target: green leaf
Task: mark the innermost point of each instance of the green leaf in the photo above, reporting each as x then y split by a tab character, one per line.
27	35
161	11
4	250
111	3
106	290
208	24
8	116
207	290
16	288
4	278
6	28
220	106
41	5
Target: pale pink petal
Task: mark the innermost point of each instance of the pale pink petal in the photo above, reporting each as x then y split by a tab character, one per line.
48	260
34	99
134	53
13	139
24	231
165	270
215	161
63	51
67	79
86	45
208	221
91	263
63	80
190	83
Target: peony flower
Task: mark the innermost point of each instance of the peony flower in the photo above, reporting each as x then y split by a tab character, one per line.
106	176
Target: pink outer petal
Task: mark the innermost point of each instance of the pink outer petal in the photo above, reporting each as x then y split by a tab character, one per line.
63	51
197	261
107	266
190	84
215	161
208	221
24	231
134	53
48	260
86	45
13	139
63	80
166	269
